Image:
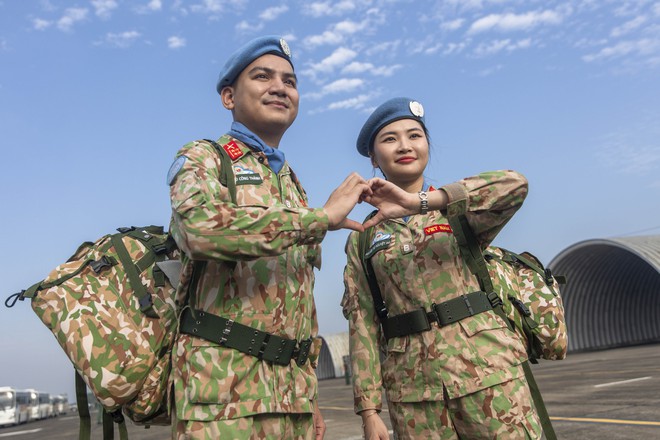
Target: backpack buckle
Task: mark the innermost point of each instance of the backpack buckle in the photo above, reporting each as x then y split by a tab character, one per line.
126	229
160	248
100	264
548	277
522	308
494	299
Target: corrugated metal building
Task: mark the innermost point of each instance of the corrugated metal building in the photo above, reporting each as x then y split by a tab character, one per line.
331	359
612	297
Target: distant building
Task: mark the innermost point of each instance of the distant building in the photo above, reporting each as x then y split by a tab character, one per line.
612	297
331	359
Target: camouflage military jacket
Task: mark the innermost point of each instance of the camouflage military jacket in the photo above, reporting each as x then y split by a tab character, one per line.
260	255
418	263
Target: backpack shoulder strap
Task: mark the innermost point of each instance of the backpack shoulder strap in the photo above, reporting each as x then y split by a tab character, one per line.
226	167
363	244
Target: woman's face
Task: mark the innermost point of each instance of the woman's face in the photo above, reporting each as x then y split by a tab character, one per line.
401	151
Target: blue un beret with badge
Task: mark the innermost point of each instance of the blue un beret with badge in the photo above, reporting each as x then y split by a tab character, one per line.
388	112
239	60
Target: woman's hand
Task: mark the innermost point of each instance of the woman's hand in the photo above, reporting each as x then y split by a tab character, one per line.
373	425
390	200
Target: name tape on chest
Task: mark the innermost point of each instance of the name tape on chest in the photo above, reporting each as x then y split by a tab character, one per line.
246	176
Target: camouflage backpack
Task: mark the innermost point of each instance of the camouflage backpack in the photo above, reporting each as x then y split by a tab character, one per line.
111	308
529	292
531	301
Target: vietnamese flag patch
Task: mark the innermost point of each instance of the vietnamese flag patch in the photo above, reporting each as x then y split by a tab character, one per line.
430	230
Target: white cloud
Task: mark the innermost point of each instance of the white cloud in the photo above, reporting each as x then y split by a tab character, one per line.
514	22
491	70
104	8
270	14
208	6
357	102
3	45
155	5
495	46
122	39
175	42
215	6
40	24
71	16
645	46
656	9
629	159
342	85
387	46
339	57
452	25
336	33
319	9
356	67
628	26
452	48
327	37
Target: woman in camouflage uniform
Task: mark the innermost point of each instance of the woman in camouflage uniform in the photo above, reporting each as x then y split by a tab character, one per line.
457	374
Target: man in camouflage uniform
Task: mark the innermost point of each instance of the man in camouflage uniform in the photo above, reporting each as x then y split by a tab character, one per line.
462	379
252	262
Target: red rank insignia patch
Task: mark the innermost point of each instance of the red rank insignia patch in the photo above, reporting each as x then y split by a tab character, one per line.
430	230
233	150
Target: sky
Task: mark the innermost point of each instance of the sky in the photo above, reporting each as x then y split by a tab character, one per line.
96	97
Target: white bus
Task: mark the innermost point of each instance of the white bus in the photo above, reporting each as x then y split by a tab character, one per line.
11	411
45	407
60	404
27	404
33	406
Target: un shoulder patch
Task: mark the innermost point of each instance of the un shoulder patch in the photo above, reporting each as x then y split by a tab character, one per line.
175	168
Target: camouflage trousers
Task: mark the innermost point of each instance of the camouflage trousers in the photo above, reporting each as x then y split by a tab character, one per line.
269	426
504	411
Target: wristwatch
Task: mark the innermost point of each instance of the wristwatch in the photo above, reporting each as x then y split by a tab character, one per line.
423	202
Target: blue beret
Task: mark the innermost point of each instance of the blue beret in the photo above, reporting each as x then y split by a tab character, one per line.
386	113
239	60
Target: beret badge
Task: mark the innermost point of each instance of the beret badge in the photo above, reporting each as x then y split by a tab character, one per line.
285	47
416	108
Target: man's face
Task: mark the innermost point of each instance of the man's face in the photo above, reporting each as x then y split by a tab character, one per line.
264	97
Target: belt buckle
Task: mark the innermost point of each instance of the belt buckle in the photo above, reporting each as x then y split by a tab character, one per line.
303	351
226	331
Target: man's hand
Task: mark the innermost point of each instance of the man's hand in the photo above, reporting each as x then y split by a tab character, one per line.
390	200
342	201
319	423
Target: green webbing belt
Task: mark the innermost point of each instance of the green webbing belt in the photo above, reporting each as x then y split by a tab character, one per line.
246	339
473	257
445	313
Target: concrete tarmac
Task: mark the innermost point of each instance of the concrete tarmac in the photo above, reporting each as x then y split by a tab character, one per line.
604	395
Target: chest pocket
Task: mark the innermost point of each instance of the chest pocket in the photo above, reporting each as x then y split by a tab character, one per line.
254	183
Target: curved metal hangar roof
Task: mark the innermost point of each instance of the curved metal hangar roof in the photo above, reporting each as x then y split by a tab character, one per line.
612	297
